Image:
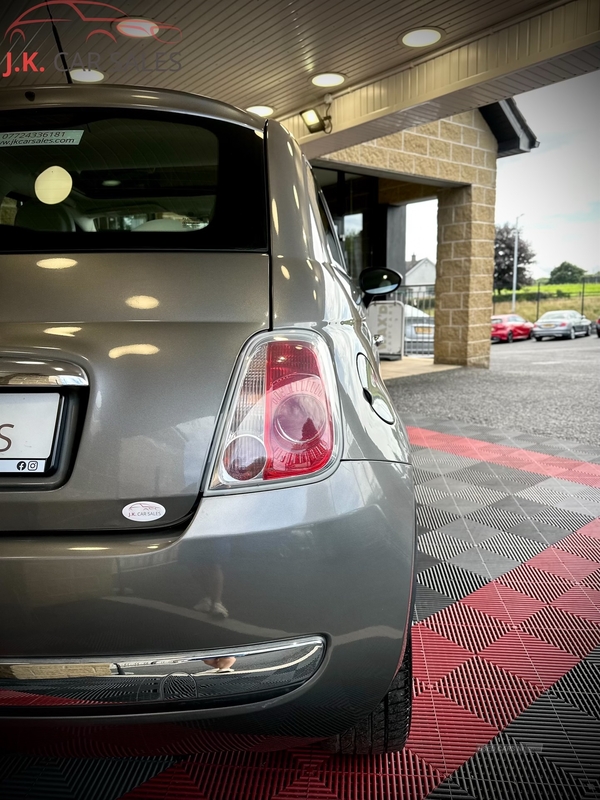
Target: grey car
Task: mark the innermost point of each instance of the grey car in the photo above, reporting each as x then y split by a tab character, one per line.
419	330
207	500
561	325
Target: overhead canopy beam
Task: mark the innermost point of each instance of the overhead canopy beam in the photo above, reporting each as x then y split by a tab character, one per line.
559	43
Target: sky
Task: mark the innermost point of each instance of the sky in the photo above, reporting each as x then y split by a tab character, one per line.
556	187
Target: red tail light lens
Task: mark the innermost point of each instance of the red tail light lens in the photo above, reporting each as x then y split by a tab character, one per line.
298	421
282	422
563	325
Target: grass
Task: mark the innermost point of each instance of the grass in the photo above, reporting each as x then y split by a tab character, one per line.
528	308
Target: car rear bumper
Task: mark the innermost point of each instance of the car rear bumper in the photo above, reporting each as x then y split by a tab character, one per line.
322	571
555	333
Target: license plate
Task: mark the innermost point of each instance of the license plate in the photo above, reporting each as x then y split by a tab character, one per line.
27	426
547	325
423	330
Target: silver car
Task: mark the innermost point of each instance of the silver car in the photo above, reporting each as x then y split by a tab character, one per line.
419	330
561	325
207	498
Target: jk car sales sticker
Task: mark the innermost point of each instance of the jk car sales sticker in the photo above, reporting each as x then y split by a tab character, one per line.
144	511
33	138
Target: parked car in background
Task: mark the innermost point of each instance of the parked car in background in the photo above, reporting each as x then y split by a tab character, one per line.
561	325
419	329
508	327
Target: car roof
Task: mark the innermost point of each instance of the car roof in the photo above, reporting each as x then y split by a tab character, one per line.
109	96
412	311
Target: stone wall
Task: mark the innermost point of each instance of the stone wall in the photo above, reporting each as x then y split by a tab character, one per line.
461	151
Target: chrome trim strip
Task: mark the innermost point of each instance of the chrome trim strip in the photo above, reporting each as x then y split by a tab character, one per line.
34	372
209	675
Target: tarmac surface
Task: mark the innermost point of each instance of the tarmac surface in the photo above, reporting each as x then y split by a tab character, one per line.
547	388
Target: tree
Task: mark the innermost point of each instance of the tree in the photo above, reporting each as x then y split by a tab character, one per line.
504	248
566	273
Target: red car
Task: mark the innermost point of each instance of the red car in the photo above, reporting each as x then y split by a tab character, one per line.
508	327
101	19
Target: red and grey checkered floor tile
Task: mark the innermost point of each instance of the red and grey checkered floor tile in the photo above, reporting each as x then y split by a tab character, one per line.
506	643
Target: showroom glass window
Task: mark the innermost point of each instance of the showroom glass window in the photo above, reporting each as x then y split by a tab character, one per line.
127	179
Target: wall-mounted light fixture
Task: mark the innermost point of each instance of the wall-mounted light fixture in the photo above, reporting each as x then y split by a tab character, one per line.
315	122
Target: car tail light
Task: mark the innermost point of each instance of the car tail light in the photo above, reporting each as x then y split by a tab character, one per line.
563	325
282	421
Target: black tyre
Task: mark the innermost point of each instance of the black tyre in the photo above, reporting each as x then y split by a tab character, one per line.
572	334
510	337
588	330
598	331
386	729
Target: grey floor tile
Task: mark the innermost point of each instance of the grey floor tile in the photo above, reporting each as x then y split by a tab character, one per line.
470	530
451	581
429	602
441	545
425	561
483	562
568	737
514	547
506	770
539	531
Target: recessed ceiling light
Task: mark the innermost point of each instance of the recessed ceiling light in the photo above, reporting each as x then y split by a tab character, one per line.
137	28
53	185
422	37
328	79
63	330
134	350
142	301
260	111
56	263
86	75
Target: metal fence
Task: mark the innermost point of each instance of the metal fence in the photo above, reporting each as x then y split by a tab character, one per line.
533	301
418	315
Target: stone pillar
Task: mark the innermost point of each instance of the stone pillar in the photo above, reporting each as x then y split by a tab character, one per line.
464	279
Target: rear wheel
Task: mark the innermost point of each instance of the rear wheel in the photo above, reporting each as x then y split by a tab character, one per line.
510	337
588	330
386	729
572	333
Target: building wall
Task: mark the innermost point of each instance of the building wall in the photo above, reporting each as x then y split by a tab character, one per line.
462	151
422	273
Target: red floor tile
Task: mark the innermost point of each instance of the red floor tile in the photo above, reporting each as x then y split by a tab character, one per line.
572	634
592	581
434	655
466	626
172	784
503	603
536	583
488	691
563	564
531	659
591	529
445	735
582	601
582	545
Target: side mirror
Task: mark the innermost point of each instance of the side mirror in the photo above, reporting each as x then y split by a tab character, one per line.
377	281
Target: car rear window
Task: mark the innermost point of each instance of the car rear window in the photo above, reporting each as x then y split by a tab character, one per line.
554	315
110	179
